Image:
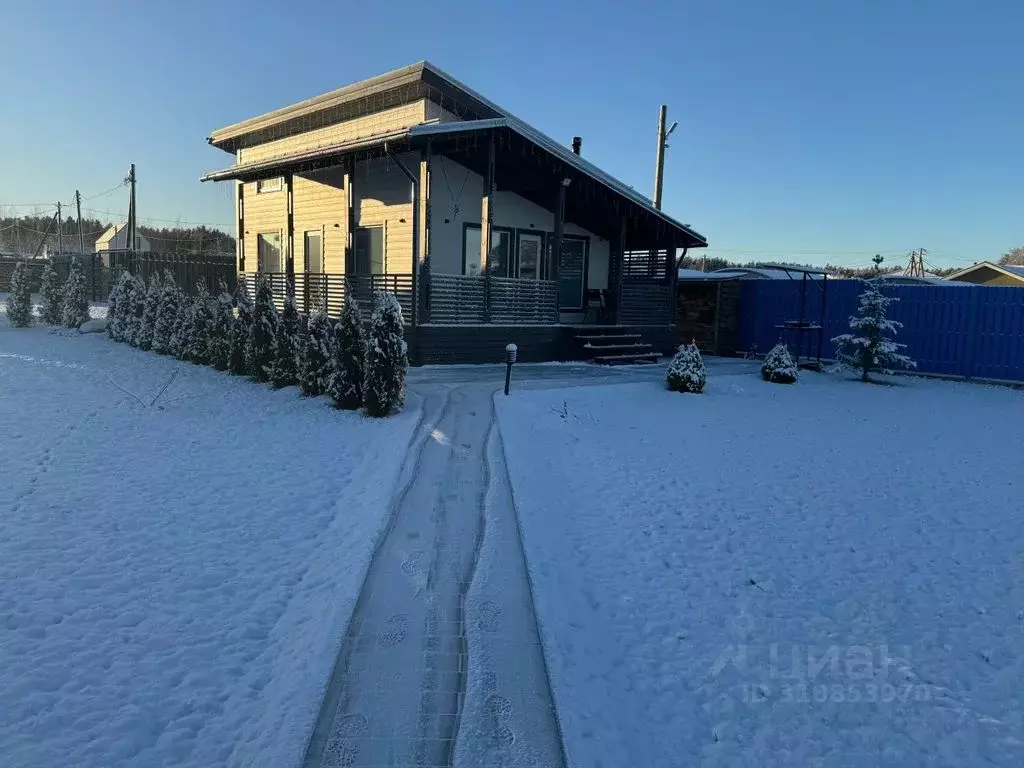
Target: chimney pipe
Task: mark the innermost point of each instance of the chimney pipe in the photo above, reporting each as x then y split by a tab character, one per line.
577	144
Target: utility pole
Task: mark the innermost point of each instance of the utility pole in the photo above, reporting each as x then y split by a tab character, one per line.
915	267
60	230
81	237
659	166
130	226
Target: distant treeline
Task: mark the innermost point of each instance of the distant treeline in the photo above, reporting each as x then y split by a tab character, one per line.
23	234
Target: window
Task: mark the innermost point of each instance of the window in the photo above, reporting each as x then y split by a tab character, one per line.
530	250
572	272
369	251
275	184
498	260
268	251
314	252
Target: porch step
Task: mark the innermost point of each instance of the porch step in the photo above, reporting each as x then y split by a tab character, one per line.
642	357
608	337
608	349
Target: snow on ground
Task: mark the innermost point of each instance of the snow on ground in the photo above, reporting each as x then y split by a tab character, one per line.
828	573
178	570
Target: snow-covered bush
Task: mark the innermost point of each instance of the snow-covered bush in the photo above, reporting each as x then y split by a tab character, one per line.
869	348
259	346
52	309
166	315
315	355
19	300
76	305
240	328
686	371
131	304
284	369
386	362
219	348
778	367
199	327
182	326
143	338
348	358
113	329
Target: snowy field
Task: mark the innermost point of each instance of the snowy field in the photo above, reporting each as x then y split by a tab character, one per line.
827	574
178	569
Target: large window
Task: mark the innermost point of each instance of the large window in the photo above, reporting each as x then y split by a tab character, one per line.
268	250
275	184
498	260
369	251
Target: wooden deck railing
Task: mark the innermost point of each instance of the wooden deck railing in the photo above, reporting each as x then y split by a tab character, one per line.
318	291
472	300
645	302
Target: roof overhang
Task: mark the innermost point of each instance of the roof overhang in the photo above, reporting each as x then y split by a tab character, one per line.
985	265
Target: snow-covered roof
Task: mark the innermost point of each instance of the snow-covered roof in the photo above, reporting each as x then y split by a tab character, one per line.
764	273
1012	270
898	278
696	275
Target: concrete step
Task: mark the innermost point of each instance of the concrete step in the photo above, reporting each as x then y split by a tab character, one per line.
588	338
642	357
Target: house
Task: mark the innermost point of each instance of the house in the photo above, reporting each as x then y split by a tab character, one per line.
987	273
487	230
116	237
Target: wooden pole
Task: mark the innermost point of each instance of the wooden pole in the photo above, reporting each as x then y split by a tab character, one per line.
659	165
60	230
81	236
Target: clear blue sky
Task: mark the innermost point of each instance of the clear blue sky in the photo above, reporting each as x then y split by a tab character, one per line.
809	129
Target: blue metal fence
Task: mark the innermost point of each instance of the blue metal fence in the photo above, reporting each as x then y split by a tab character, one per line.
958	330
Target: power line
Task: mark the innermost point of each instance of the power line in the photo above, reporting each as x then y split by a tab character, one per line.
154	218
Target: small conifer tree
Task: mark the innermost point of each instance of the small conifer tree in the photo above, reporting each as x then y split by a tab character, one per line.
76	305
259	347
869	348
222	328
19	298
199	327
386	360
52	309
348	358
778	366
240	330
150	309
284	369
315	355
686	371
166	315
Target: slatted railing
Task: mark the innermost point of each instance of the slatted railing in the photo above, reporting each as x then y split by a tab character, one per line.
318	291
457	299
523	301
645	302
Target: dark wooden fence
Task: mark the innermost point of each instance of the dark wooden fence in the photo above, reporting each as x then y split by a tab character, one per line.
35	272
957	330
101	270
317	291
476	300
645	302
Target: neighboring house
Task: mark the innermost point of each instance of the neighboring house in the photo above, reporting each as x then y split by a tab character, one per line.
987	273
116	239
487	230
898	278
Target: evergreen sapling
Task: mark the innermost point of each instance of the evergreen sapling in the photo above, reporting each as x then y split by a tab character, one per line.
19	299
284	369
778	367
686	372
166	315
182	326
386	361
76	305
52	309
259	346
348	359
200	326
315	355
143	338
869	348
240	328
223	326
113	329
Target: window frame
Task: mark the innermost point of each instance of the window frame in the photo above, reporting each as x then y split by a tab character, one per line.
262	237
319	233
383	250
263	186
510	232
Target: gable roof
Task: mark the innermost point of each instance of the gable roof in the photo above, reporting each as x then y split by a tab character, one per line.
1009	270
483	114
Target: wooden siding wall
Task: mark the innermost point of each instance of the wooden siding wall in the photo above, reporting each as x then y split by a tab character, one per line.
266	212
319	205
386	120
382	195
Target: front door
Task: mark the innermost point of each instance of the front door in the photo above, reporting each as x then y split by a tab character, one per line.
528	252
369	251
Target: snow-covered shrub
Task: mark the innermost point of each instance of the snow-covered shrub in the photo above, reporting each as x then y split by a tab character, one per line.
199	327
113	322
182	326
348	358
143	338
778	367
686	371
219	348
240	328
76	304
386	362
259	346
869	348
52	309
284	369
131	303
19	300
166	315
315	355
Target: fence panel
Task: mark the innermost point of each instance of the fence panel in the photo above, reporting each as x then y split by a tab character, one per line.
457	299
645	303
956	330
523	301
318	291
101	270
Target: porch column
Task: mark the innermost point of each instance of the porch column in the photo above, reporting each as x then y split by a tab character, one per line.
487	224
289	262
240	215
558	228
617	250
350	205
422	276
671	276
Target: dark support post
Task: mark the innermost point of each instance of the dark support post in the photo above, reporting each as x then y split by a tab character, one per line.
350	199
559	230
240	211
289	267
487	225
671	275
615	257
622	269
422	290
718	315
